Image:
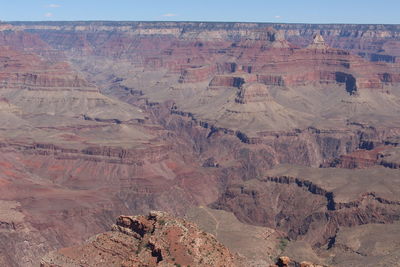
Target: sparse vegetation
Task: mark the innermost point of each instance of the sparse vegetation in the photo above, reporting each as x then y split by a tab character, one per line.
283	242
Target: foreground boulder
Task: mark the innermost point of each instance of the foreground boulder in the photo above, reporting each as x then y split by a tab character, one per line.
157	239
285	261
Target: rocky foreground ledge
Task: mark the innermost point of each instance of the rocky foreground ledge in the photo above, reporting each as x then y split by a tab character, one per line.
157	239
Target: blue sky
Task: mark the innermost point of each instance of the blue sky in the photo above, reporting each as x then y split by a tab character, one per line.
301	11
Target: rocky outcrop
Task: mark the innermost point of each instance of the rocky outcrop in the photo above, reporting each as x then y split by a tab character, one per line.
385	155
210	163
270	79
318	42
157	239
390	157
284	261
227	81
358	159
253	92
196	74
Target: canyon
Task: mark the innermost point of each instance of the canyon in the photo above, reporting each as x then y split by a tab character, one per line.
275	139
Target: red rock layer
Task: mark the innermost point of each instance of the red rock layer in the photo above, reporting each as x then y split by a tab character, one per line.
27	70
359	159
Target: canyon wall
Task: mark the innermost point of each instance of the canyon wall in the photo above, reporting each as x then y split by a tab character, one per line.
106	118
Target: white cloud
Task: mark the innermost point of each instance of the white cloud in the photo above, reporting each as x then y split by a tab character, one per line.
277	17
48	15
169	15
54	6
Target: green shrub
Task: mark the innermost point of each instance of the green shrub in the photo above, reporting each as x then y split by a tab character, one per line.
283	242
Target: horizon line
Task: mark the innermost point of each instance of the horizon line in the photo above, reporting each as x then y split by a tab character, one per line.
198	21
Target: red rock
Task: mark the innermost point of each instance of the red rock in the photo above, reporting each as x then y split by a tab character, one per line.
196	74
154	240
284	260
359	159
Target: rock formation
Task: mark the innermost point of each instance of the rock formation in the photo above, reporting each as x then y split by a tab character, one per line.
318	42
154	240
255	92
268	202
285	261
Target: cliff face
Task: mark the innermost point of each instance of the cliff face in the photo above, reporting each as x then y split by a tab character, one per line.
308	210
332	83
376	42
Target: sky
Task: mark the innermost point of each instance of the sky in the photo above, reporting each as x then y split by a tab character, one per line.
285	11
